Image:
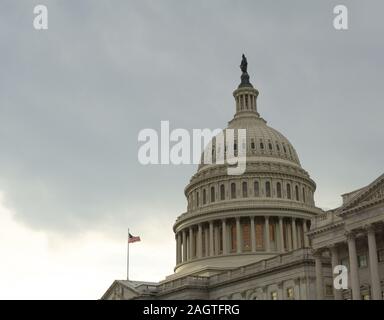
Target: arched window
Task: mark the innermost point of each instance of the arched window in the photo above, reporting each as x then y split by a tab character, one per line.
213	194
278	189
270	146
297	193
245	190
277	147
252	144
197	199
261	145
289	196
303	195
256	189
233	190
222	192
268	189
204	196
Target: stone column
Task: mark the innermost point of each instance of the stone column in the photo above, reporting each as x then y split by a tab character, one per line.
190	243
289	236
199	249
253	234
238	235
306	240
267	241
337	294
206	242
211	251
373	264
225	240
319	276
294	234
281	226
184	245
178	248
354	268
216	239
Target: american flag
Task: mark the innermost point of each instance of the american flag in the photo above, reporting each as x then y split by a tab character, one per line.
132	239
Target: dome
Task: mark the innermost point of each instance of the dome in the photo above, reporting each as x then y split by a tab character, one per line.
234	220
262	141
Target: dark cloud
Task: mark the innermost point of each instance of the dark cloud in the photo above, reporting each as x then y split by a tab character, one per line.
73	98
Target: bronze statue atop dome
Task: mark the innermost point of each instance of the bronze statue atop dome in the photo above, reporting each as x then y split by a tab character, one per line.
244	64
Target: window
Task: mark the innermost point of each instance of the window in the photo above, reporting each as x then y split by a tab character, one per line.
362	261
245	190
222	192
274	295
233	190
204	196
233	238
380	255
289	196
277	147
270	146
246	237
213	194
285	150
303	194
290	293
252	144
197	199
268	189
297	193
256	189
261	145
278	189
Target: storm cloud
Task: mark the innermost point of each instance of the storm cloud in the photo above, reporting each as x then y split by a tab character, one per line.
73	99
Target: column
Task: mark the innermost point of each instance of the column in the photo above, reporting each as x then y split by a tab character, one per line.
199	249
225	240
319	276
354	269
238	235
294	234
281	226
267	238
306	240
289	236
337	294
211	247
206	242
253	234
216	239
190	243
373	264
184	246
178	248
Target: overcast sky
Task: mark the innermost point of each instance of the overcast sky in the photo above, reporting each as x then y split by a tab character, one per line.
74	97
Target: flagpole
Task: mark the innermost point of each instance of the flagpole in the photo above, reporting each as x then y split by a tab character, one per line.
128	256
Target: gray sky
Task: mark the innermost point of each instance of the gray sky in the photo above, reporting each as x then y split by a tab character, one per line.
73	99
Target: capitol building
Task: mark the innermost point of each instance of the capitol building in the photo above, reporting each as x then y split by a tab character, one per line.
260	236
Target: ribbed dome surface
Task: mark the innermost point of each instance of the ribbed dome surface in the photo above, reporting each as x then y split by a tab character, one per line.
261	140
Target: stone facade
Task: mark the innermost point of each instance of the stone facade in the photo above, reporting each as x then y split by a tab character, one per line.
260	236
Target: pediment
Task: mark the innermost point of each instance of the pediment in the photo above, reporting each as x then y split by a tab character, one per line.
370	195
120	291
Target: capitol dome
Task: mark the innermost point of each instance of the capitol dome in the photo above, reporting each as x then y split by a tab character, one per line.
234	220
